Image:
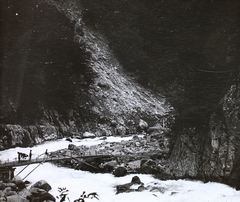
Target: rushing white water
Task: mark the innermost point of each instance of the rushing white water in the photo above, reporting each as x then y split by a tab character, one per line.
77	181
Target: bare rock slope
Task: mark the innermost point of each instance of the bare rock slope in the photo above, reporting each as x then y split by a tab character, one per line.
111	103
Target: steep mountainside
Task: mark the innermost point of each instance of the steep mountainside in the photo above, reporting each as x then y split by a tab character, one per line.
186	50
59	77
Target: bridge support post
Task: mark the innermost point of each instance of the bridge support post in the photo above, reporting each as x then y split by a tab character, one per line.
7	173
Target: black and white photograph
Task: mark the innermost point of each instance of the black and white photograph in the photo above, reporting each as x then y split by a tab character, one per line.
119	100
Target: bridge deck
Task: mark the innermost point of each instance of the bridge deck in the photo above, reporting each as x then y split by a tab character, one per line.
23	162
53	158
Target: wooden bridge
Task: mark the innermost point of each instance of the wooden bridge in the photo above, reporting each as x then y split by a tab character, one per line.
57	157
8	165
15	163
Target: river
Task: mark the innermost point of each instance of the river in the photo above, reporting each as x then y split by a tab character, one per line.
77	181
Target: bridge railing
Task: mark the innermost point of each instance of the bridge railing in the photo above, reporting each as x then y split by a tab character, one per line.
47	158
58	156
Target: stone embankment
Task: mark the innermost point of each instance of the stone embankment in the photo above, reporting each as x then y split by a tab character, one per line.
27	136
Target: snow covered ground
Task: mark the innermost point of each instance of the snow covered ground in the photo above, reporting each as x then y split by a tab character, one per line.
77	181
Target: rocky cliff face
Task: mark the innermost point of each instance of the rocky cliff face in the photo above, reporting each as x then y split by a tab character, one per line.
225	139
211	155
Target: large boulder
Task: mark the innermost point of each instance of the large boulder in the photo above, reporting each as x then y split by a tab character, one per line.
25	193
10	184
9	192
134	166
149	166
68	139
47	197
73	147
37	191
42	184
16	198
120	171
109	166
136	180
19	182
134	185
44	197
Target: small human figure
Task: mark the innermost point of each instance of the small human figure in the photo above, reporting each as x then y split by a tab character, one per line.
19	157
30	155
46	152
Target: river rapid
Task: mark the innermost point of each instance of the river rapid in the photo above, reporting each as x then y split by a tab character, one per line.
77	181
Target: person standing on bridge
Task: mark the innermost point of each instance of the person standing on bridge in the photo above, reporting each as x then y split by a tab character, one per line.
19	157
30	155
46	152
